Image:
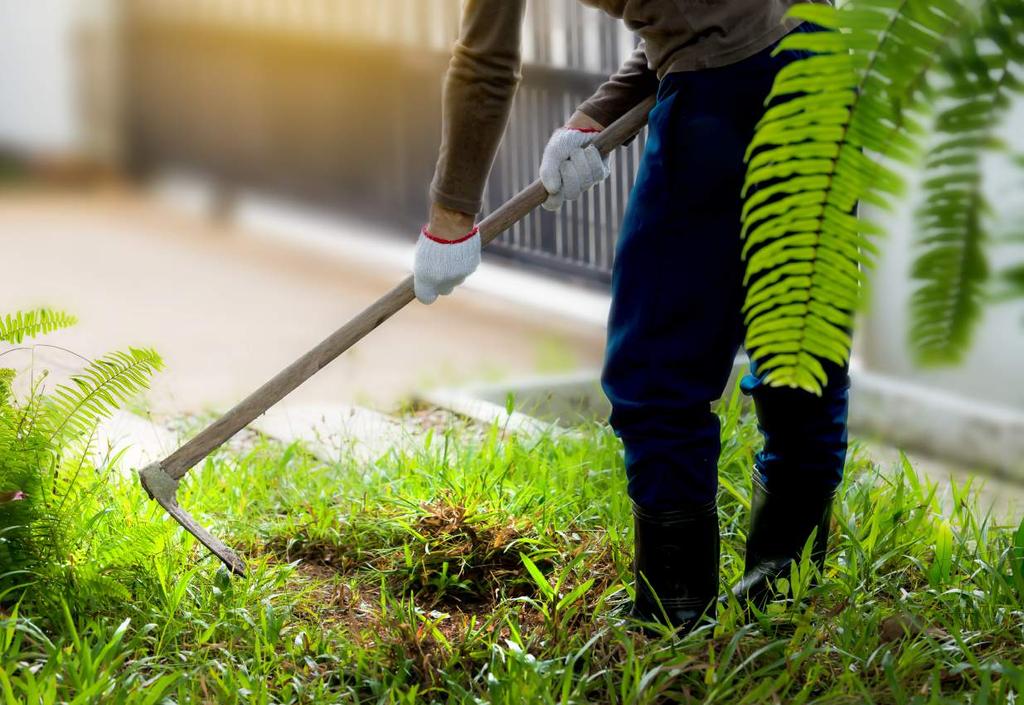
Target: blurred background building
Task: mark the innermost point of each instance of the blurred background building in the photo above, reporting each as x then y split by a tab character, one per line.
320	119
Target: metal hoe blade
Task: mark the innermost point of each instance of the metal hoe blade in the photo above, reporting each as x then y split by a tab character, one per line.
164	489
161	479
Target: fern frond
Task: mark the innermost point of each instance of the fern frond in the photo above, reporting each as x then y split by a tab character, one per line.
100	389
950	263
126	546
15	327
811	162
1013	280
7	376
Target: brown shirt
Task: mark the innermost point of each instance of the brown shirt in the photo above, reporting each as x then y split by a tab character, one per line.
676	35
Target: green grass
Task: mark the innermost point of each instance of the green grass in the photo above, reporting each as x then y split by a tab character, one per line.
481	569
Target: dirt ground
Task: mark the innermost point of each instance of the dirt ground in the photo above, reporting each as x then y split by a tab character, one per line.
226	311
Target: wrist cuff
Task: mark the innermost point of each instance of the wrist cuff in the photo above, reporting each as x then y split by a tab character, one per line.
469	236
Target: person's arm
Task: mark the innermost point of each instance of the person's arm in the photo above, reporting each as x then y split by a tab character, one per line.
633	82
478	91
480	85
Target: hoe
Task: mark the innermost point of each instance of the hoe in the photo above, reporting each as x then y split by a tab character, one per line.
161	479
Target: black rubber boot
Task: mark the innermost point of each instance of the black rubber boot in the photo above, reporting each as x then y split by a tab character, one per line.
780	523
676	565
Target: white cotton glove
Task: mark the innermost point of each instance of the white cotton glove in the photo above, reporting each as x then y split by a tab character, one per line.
441	265
571	165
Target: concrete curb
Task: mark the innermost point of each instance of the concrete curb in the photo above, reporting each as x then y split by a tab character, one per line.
485	411
940	425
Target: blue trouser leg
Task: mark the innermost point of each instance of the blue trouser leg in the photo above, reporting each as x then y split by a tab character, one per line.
805	435
676	324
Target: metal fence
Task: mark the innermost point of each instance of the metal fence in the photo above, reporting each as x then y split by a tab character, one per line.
338	102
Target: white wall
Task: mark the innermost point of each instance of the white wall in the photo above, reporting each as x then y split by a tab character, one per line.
37	87
994	370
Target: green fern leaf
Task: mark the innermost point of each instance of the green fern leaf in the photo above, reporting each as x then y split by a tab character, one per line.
950	263
1012	279
812	161
15	327
100	389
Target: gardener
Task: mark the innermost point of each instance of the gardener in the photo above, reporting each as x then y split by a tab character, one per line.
677	284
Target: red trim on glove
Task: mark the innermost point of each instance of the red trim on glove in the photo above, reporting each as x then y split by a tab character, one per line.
583	129
470	236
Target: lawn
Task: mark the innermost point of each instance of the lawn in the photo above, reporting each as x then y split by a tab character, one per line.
482	568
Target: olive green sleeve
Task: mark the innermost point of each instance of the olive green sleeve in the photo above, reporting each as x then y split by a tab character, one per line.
481	83
633	82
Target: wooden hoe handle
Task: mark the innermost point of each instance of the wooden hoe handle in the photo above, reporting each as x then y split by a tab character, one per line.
514	210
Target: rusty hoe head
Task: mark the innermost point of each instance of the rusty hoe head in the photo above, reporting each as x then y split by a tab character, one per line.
164	489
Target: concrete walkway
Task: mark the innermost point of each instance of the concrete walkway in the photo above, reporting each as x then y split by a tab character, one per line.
227	310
